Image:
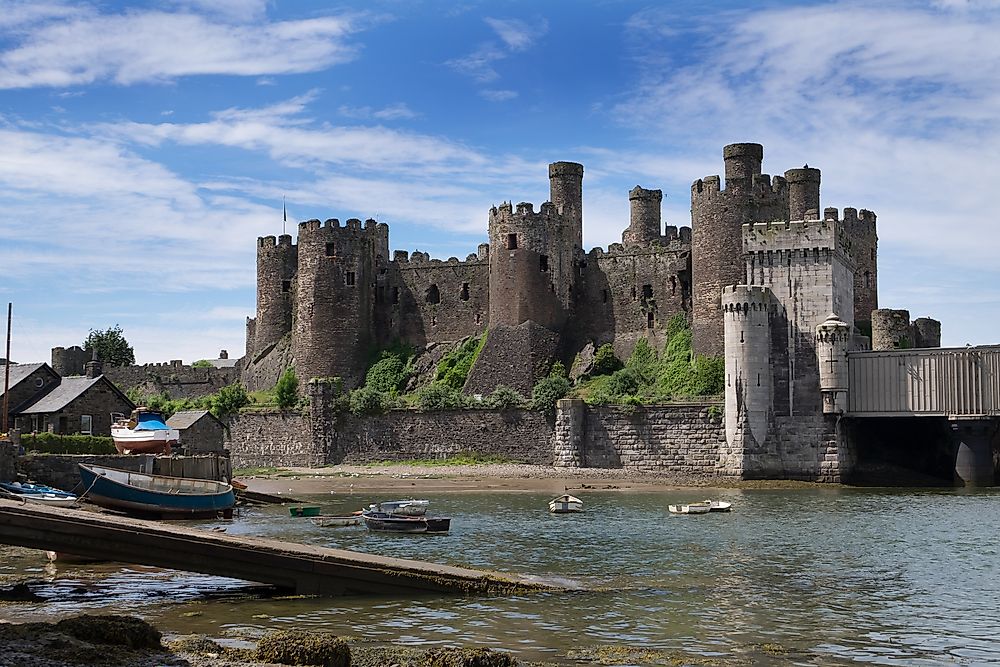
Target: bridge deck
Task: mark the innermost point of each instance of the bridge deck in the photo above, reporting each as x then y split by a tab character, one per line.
946	382
309	570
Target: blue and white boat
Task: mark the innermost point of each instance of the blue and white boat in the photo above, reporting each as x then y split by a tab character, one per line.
173	497
39	494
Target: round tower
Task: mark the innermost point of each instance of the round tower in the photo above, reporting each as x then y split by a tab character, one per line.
717	218
803	193
833	340
527	279
891	329
566	192
644	219
334	299
742	164
277	261
746	315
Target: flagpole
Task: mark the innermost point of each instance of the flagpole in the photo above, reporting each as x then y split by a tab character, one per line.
284	215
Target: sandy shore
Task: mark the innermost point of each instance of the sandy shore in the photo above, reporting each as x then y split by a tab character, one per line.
512	478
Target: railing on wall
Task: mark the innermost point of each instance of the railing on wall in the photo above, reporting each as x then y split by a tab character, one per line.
947	382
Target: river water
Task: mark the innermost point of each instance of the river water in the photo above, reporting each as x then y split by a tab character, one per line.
791	576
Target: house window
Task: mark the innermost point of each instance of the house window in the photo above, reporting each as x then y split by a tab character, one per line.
86	424
331	249
512	242
350	278
286	286
543	262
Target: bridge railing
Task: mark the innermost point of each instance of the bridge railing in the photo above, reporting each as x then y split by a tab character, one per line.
948	382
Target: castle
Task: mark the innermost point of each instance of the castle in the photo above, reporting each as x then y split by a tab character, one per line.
325	302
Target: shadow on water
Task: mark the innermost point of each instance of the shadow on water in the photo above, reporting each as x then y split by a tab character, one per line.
889	576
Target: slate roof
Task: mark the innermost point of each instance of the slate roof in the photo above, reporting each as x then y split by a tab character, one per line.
65	393
223	363
17	373
186	418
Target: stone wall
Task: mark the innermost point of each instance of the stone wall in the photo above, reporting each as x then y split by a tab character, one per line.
521	436
175	378
669	439
260	439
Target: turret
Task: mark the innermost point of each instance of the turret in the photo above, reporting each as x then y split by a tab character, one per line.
644	220
746	314
803	193
742	164
833	340
891	329
566	192
277	260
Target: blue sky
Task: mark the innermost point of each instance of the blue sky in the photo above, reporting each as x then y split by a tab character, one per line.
145	146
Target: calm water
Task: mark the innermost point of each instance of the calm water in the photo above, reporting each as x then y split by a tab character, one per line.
831	575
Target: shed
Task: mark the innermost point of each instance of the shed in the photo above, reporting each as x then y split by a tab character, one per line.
200	430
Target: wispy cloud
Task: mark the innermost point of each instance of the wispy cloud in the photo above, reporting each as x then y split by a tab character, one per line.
392	112
515	36
65	47
498	95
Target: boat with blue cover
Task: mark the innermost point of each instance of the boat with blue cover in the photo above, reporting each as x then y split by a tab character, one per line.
39	494
173	497
144	432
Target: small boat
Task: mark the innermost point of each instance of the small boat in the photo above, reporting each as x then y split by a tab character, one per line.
397	523
144	432
564	504
690	508
336	521
719	505
409	507
175	497
312	510
39	494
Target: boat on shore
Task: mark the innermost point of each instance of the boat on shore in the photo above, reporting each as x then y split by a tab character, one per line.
565	504
170	497
337	521
691	508
143	432
401	523
39	494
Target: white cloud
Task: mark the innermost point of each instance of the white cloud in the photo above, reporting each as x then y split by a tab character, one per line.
518	35
479	63
157	46
392	112
498	95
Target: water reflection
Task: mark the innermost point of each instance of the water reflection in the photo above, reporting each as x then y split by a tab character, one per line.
827	575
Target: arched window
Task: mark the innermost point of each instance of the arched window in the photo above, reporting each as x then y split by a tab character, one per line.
433	295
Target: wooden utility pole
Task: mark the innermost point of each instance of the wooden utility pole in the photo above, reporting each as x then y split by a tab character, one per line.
6	373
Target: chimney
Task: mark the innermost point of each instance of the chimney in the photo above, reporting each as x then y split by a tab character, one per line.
223	354
93	369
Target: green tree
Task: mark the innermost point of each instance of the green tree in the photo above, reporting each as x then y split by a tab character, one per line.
111	346
286	392
229	399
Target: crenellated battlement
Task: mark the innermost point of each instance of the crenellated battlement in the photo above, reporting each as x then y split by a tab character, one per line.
743	299
417	259
797	236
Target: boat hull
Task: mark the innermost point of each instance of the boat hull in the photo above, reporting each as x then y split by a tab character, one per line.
128	441
336	521
565	505
39	494
174	497
693	508
392	523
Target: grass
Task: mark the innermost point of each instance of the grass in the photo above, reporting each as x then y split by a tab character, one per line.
256	472
462	459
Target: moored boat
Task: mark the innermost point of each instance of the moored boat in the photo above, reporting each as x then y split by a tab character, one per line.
298	510
565	504
409	507
397	523
337	521
39	494
690	508
175	497
144	432
719	505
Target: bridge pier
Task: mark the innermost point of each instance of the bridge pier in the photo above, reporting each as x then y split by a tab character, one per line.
974	458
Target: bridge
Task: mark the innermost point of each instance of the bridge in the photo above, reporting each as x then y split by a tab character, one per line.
306	569
961	385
